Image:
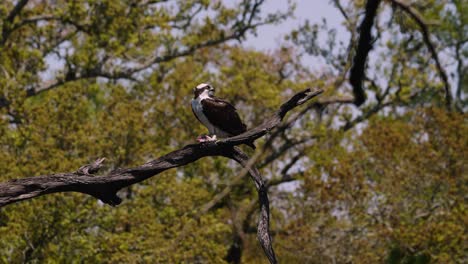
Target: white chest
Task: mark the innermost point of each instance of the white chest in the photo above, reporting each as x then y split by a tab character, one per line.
198	110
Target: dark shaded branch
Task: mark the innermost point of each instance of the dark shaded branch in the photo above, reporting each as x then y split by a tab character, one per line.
259	131
247	167
281	150
414	14
105	187
366	115
16	10
34	20
8	22
357	72
263	228
235	181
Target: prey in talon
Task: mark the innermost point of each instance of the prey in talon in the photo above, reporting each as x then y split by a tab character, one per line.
218	115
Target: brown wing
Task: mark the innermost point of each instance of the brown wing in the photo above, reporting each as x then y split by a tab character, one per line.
223	115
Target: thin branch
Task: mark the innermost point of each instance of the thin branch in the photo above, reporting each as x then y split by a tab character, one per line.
414	14
336	100
341	9
374	110
151	2
34	20
284	175
235	181
364	46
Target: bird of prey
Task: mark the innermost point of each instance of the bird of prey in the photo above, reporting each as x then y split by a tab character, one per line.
218	115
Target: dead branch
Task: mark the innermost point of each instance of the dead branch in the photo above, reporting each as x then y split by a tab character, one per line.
364	46
105	187
263	228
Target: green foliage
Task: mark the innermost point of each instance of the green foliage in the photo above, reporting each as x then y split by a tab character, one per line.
399	184
86	79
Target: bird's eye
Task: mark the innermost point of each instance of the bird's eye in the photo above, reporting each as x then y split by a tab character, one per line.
211	88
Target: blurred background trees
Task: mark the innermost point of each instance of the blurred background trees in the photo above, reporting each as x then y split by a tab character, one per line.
385	181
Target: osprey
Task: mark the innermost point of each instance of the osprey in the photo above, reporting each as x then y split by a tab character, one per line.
219	116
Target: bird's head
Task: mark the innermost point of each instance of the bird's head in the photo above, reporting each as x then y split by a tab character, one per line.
203	90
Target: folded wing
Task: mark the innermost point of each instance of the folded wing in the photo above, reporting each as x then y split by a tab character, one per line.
223	115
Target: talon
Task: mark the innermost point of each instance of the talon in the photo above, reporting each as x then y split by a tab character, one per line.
211	138
206	138
202	138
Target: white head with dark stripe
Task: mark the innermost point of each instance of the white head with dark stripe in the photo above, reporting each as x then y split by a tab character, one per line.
203	90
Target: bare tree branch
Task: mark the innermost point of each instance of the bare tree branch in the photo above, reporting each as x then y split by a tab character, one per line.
364	46
414	14
263	228
106	187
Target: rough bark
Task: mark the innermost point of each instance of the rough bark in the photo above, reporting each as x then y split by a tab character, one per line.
105	187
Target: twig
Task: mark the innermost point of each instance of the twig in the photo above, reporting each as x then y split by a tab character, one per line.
341	9
91	168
